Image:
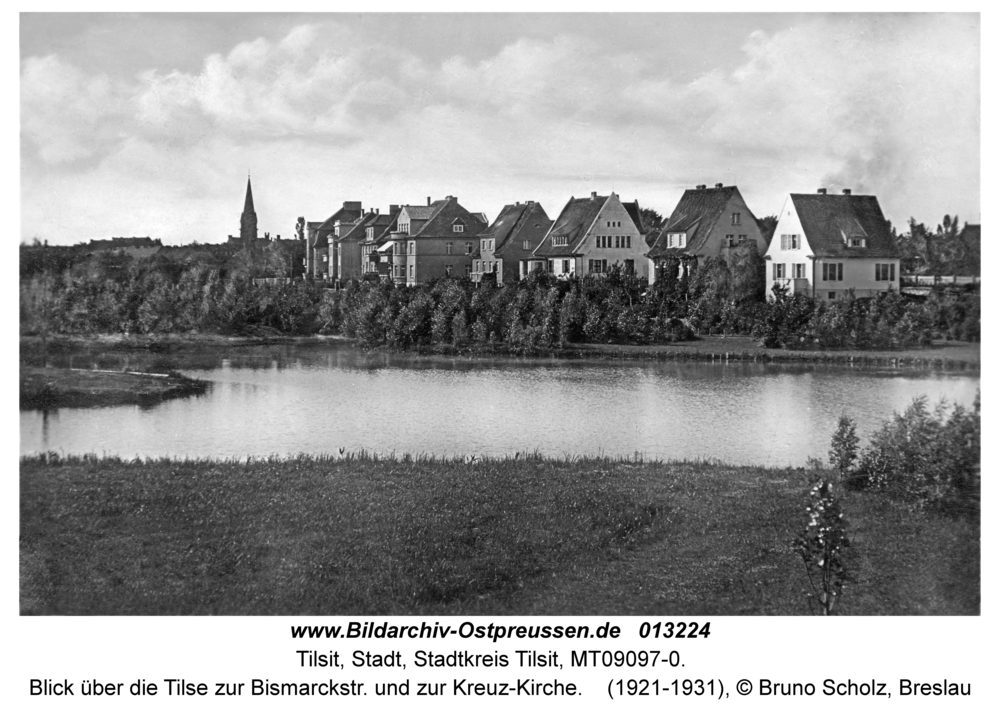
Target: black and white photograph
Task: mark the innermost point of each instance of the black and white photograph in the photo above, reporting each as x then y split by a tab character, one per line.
499	314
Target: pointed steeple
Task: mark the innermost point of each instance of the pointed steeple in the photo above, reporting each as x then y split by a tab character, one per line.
248	204
248	221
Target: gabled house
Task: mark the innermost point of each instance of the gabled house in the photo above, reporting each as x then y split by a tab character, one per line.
318	248
376	235
509	241
707	222
828	244
433	241
591	236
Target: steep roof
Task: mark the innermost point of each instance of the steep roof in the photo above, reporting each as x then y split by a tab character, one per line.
444	214
576	218
348	213
248	203
516	224
357	230
828	219
696	214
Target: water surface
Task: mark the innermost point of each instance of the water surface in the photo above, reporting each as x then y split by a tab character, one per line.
321	398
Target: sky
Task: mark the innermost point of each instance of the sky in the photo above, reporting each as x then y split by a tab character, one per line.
147	124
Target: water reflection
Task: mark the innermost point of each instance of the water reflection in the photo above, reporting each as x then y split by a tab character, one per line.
319	398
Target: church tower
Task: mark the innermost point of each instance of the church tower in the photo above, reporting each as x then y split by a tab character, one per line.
248	221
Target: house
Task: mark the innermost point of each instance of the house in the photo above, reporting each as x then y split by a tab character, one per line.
318	238
137	247
828	244
509	242
433	241
590	236
707	223
354	248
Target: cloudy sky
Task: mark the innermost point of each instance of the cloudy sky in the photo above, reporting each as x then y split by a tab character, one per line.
148	124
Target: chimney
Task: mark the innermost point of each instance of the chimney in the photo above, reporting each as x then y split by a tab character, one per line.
376	211
451	197
593	195
847	192
428	200
393	208
821	191
700	187
718	185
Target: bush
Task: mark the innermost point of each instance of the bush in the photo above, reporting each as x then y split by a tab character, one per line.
931	458
821	545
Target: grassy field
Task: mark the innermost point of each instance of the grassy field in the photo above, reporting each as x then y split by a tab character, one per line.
52	387
363	535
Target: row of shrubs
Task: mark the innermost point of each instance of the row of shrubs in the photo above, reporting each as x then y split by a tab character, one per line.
539	313
930	457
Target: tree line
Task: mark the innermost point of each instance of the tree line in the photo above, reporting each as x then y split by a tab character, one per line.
114	293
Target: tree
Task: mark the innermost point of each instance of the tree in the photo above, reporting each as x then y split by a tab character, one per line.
767	224
844	445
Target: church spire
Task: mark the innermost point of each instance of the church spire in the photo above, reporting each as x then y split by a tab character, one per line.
248	221
248	204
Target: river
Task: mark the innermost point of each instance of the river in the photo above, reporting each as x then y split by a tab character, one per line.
316	399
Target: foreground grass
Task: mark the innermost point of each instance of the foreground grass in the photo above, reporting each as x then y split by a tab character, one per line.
53	387
364	535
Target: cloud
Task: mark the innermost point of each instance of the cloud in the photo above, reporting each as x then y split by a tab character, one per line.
887	104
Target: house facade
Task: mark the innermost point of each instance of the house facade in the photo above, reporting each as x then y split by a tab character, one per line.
433	241
591	236
506	245
707	222
827	245
320	252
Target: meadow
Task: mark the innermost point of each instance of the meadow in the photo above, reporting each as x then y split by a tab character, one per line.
378	535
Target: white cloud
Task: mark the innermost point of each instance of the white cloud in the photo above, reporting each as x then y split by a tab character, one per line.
888	105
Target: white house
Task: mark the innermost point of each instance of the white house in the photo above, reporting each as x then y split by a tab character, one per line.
828	244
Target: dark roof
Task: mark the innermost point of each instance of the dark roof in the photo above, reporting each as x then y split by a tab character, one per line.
576	218
696	214
515	224
828	219
248	203
348	213
358	230
445	213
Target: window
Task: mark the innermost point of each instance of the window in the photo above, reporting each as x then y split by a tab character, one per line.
369	233
447	270
468	270
833	271
855	242
458	228
789	241
599	266
447	248
628	241
413	248
831	295
468	248
618	242
736	219
798	270
779	271
526	245
565	266
730	239
411	272
885	271
743	237
676	240
404	227
560	240
491	244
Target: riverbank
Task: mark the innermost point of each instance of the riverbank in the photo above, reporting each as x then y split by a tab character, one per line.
941	355
53	388
407	536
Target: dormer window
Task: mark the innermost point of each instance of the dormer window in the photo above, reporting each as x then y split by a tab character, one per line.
458	227
736	219
855	242
369	233
560	240
676	240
